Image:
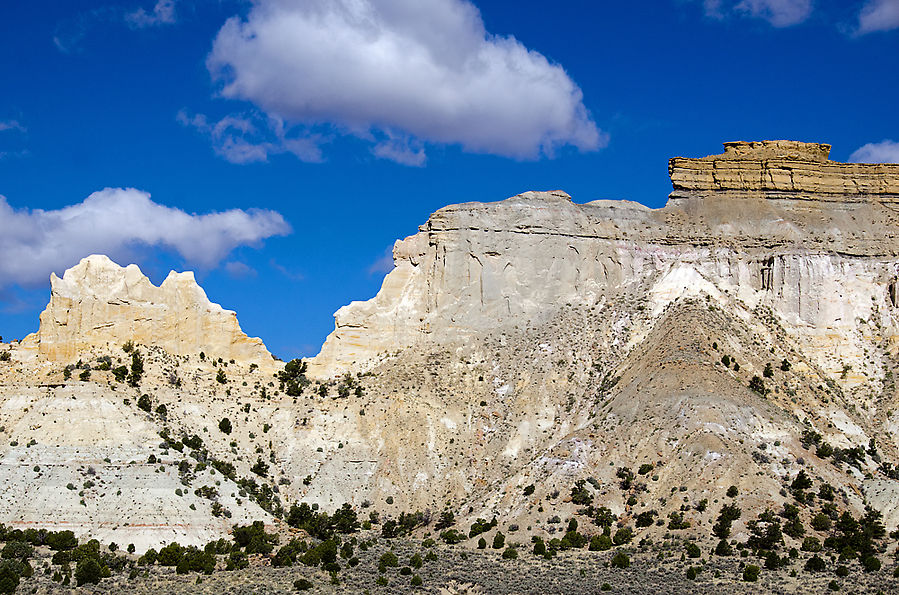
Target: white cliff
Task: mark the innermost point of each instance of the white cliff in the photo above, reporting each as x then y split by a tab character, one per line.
98	304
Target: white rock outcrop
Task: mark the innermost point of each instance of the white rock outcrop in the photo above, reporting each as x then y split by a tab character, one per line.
98	304
826	269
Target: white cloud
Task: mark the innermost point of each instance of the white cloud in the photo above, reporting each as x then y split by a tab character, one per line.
878	15
422	70
35	242
163	13
248	139
883	152
384	263
11	125
779	13
239	270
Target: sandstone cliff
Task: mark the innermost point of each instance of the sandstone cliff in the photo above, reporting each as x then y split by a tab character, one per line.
98	304
821	266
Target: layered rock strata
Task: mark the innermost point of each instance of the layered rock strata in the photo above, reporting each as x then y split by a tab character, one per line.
98	303
826	268
785	168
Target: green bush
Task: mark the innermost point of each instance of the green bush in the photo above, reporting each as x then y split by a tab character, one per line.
693	550
871	564
17	550
9	579
600	543
61	540
510	554
693	572
225	425
144	403
499	541
811	544
620	560
416	581
815	564
302	584
389	559
88	571
751	573
623	536
170	555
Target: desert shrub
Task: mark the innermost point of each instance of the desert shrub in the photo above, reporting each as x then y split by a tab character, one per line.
416	581
510	554
815	564
254	539
729	513
600	543
451	536
732	492
236	560
757	385
17	550
751	573
195	560
89	571
692	550
811	544
293	378
170	554
646	518
623	536
302	584
620	560
693	572
389	559
871	563
482	543
9	579
724	549
225	425
481	526
144	403
821	522
580	495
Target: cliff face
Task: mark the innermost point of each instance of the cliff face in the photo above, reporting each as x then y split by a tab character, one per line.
787	169
97	303
826	269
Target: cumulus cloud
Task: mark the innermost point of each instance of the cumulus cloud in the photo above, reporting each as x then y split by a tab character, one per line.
401	72
163	13
883	152
35	242
878	15
779	13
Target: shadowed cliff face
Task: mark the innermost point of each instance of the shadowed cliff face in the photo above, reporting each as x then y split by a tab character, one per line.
820	251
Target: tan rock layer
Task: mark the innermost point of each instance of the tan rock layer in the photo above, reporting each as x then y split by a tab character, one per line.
800	170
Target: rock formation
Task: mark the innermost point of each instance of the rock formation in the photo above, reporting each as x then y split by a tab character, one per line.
785	169
823	256
98	304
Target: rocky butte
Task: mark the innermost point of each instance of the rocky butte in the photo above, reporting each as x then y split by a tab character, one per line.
98	304
770	224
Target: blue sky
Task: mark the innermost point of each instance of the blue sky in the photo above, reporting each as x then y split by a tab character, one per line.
279	147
